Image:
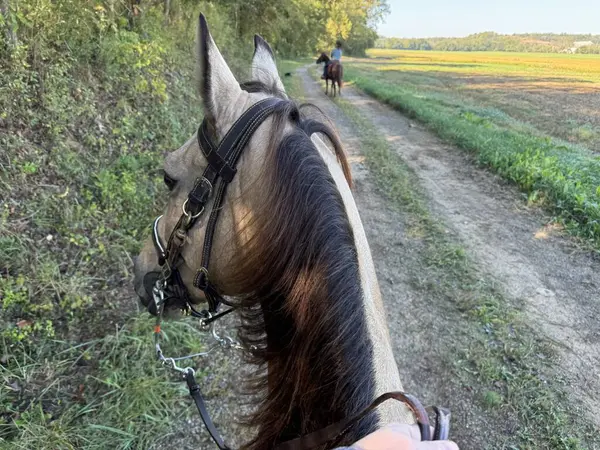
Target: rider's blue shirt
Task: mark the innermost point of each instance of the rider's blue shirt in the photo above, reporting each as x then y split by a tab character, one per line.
336	53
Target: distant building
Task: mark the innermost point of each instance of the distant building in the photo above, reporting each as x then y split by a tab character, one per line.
579	44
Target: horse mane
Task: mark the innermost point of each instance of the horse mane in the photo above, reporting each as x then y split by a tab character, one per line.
302	306
310	126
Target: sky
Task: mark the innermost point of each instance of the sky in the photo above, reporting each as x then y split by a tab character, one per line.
452	18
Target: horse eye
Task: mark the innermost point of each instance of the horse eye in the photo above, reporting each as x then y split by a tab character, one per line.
169	182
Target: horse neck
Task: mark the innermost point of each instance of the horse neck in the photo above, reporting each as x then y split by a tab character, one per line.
386	376
327	352
342	371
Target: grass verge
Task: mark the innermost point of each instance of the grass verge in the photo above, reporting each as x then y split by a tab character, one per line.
105	393
291	81
512	370
76	205
565	176
86	113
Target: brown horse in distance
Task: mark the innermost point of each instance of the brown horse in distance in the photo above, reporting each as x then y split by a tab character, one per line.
335	73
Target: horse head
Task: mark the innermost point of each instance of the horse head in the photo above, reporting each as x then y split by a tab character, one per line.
323	58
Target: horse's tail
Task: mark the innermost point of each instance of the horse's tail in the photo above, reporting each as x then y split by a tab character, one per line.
341	76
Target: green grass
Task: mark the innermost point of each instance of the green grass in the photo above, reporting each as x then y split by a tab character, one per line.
105	393
81	142
292	83
504	361
566	176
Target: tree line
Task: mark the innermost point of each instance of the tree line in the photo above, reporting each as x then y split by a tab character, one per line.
490	41
131	46
293	27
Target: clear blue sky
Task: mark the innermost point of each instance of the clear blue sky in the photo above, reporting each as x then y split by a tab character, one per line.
433	18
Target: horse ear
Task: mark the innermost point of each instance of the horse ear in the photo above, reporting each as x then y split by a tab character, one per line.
218	85
264	68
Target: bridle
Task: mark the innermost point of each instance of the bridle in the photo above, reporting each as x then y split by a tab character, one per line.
168	290
219	172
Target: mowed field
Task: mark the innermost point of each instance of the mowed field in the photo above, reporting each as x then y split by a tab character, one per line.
533	118
557	94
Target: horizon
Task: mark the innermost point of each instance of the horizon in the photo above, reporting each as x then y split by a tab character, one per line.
491	31
438	19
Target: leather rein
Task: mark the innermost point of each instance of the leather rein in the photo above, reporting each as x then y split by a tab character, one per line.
168	290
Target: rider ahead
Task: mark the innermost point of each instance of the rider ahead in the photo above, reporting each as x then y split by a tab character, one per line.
336	54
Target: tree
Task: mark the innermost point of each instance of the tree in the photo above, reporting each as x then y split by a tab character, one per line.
8	24
300	26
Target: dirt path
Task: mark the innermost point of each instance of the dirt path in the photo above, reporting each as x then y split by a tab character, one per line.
540	271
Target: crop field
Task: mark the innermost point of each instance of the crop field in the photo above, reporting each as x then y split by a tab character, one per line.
557	94
534	118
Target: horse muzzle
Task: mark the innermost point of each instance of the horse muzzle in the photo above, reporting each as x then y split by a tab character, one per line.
164	296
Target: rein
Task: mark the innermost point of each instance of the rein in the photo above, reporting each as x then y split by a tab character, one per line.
168	289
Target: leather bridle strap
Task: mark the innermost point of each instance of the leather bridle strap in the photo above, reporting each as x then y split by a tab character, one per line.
196	394
222	161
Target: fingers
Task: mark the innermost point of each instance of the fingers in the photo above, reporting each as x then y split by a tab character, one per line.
413	432
405	429
436	445
388	438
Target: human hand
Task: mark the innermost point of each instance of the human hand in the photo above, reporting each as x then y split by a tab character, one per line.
400	437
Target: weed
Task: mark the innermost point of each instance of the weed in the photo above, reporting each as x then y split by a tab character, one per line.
585	133
29	168
491	399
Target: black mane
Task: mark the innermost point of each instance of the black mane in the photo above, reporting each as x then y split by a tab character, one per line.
301	280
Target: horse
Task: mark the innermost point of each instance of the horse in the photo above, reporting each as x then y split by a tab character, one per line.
287	251
335	73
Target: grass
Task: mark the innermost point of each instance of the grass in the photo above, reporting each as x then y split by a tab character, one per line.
504	361
565	176
292	83
81	142
105	393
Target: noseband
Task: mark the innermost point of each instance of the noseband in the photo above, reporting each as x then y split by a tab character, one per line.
168	289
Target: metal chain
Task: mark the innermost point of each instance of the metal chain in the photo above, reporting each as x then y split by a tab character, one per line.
225	342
